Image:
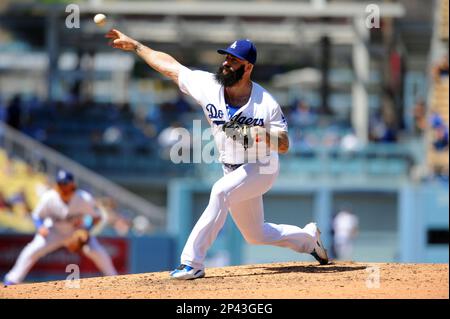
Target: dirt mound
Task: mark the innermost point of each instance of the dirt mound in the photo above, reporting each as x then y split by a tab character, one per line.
275	281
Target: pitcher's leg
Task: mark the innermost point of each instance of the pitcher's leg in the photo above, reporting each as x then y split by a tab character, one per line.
249	218
205	230
33	251
241	184
94	251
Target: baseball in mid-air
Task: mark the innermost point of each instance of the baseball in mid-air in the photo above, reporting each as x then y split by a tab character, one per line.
100	19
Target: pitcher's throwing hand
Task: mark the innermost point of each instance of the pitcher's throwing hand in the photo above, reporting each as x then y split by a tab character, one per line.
120	40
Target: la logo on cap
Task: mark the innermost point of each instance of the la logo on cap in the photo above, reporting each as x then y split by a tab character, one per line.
233	46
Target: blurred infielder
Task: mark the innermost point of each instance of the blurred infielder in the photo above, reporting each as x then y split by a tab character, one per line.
63	218
249	131
345	226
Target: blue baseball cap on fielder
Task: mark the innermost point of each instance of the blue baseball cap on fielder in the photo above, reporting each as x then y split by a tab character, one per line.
64	177
243	49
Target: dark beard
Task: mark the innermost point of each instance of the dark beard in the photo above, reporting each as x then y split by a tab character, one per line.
231	78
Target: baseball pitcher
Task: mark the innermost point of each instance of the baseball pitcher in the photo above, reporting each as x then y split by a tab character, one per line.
63	217
249	131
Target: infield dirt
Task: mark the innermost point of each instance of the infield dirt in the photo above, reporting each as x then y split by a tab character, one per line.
274	281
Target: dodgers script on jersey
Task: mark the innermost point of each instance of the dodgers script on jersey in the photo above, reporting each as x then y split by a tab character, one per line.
62	216
260	110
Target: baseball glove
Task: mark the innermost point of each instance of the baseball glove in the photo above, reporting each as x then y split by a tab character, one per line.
238	132
79	238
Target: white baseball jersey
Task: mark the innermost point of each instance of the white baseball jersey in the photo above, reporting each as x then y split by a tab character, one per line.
60	217
260	110
344	225
55	213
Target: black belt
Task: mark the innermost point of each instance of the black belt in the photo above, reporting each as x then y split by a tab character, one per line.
232	166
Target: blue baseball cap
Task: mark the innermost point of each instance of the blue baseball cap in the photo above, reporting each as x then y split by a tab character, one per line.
64	177
243	49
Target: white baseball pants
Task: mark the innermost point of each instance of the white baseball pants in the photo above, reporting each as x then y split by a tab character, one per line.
240	192
41	246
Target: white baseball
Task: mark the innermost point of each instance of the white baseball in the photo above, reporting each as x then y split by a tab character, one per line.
100	19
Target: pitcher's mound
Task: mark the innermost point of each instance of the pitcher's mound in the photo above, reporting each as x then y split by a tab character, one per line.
275	281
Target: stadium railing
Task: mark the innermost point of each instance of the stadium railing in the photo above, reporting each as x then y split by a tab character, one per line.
47	160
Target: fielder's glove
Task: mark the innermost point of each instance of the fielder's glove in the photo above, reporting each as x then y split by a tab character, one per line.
75	243
238	132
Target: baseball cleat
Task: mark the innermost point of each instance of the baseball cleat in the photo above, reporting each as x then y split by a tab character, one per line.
7	283
185	272
319	252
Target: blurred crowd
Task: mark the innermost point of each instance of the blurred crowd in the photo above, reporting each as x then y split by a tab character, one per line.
310	129
437	123
20	189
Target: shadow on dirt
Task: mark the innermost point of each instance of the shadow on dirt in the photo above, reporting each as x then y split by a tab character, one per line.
330	268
